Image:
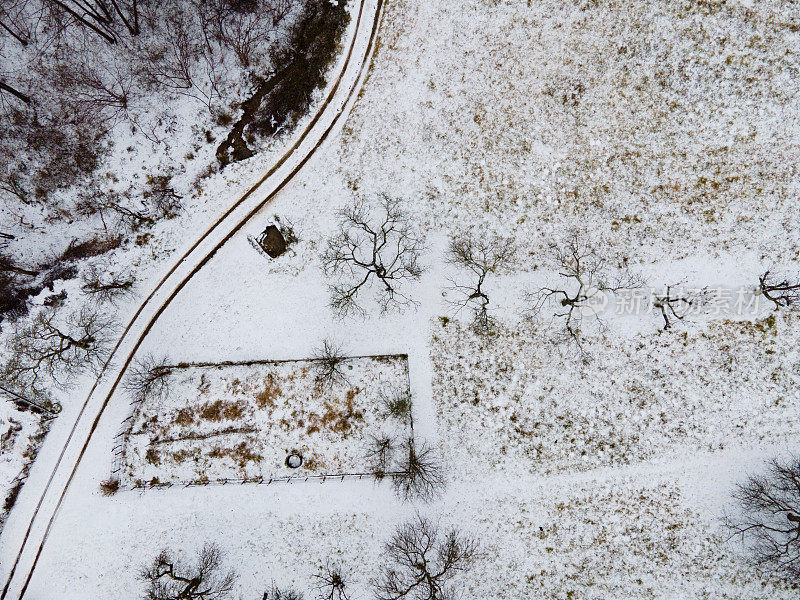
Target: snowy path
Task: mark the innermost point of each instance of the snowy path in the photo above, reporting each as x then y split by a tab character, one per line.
25	535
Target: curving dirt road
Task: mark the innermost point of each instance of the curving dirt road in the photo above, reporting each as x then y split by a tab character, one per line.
28	542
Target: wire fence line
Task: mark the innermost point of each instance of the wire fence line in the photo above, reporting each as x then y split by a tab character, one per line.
322	478
247	363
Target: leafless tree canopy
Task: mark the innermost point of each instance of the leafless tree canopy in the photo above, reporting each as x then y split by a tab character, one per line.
329	357
480	257
374	248
276	593
147	379
47	350
422	562
421	473
167	579
781	292
331	583
585	277
106	285
770	517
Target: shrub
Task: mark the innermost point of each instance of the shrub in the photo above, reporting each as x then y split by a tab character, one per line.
109	487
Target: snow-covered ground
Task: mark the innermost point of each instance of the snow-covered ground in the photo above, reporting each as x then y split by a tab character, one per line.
667	132
21	433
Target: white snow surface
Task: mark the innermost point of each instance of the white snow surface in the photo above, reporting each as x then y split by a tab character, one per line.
667	131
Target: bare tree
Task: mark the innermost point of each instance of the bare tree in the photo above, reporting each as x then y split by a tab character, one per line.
107	285
769	520
187	59
481	257
329	357
155	204
148	378
781	293
332	583
585	280
420	474
380	247
276	593
380	450
102	88
422	562
247	32
673	305
167	579
47	350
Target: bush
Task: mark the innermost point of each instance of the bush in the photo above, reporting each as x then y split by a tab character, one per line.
109	487
398	404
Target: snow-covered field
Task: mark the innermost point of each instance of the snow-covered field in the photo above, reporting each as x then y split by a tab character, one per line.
243	421
514	401
668	133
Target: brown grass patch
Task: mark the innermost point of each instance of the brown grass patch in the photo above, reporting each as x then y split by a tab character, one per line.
180	456
266	398
221	409
338	419
184	417
240	454
153	456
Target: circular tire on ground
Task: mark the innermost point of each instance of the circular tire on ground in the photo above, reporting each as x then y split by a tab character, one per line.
294	460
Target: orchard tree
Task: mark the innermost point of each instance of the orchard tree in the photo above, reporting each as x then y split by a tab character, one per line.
148	378
331	583
420	473
675	305
782	292
768	519
329	357
376	248
479	257
584	279
421	562
167	579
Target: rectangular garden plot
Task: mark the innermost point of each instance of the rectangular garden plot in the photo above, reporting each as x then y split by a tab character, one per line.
267	420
